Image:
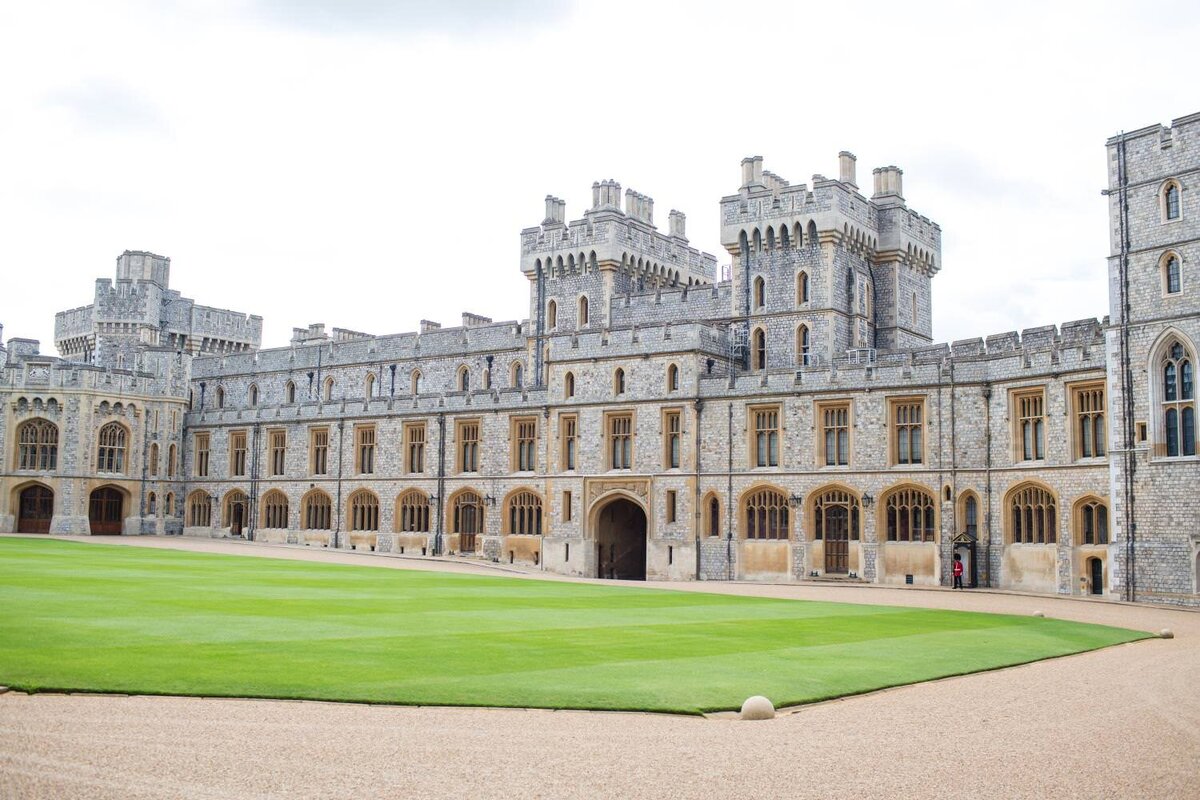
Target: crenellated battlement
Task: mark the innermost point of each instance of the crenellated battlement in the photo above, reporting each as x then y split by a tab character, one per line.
607	237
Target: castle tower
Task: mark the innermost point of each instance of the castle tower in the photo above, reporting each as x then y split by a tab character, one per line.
1153	345
818	272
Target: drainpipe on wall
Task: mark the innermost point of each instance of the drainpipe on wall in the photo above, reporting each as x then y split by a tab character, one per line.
1127	421
698	516
987	426
729	501
441	485
252	511
337	525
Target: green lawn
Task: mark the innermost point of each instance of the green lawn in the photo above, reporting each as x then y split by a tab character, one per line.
76	616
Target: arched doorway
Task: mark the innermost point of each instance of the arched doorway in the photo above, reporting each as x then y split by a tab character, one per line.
105	511
35	509
621	541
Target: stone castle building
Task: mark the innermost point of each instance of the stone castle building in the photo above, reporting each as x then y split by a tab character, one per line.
790	420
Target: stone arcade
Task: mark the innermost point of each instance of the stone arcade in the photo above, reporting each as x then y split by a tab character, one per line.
791	420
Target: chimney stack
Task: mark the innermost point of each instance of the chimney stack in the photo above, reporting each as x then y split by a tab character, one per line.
889	181
846	168
677	224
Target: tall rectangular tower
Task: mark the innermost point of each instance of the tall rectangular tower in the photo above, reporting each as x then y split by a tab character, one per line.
1154	287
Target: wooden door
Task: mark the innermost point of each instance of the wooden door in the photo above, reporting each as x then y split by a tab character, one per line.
35	509
104	511
236	512
837	540
1097	570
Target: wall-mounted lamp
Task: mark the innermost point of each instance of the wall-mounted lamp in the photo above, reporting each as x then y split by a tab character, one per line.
867	499
491	501
796	500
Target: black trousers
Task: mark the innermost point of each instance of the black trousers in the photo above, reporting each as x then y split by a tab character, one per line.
958	582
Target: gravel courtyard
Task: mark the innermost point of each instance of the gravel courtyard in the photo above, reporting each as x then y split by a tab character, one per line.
1120	722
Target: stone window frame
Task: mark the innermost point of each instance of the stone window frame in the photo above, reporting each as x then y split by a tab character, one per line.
369	386
1164	271
415	382
803	288
277	452
803	345
1026	498
274	511
765	514
327	390
153	460
672	378
252	395
964	523
552	315
366	442
289	393
523	436
1081	395
219	397
318	453
568	385
772	431
671	506
459	502
523	513
568	436
199	509
710	523
462	378
238	450
234	497
202	448
1161	355
416	437
41	453
112	456
466	451
316	507
1022	402
612	419
362	511
759	293
829	496
895	406
758	349
1164	206
1093	508
672	438
516	374
172	460
908	498
583	311
821	426
412	512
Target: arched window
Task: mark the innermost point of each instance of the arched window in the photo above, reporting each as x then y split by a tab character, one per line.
327	394
712	515
236	503
220	397
1032	515
583	311
253	394
760	292
1091	521
289	393
464	379
812	233
672	378
110	456
199	511
914	308
317	511
910	516
569	385
369	386
803	348
416	382
619	381
524	514
412	512
275	509
37	445
552	315
784	238
1179	408
364	511
171	461
836	516
517	375
801	288
151	504
467	513
766	515
153	459
169	504
971	515
758	349
1170	200
1171	279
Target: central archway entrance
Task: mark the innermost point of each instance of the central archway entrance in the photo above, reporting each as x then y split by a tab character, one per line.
104	511
35	509
621	541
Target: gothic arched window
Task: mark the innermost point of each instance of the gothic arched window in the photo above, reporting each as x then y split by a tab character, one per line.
1179	408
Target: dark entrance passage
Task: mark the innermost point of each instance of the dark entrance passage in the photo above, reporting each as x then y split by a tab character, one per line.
105	511
621	541
237	513
35	508
837	540
1096	570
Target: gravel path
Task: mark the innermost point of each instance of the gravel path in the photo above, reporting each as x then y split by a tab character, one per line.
1121	722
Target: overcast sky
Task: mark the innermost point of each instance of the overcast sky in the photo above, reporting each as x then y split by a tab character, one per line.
368	164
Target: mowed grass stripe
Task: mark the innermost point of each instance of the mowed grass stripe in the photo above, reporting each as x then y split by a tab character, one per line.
120	619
